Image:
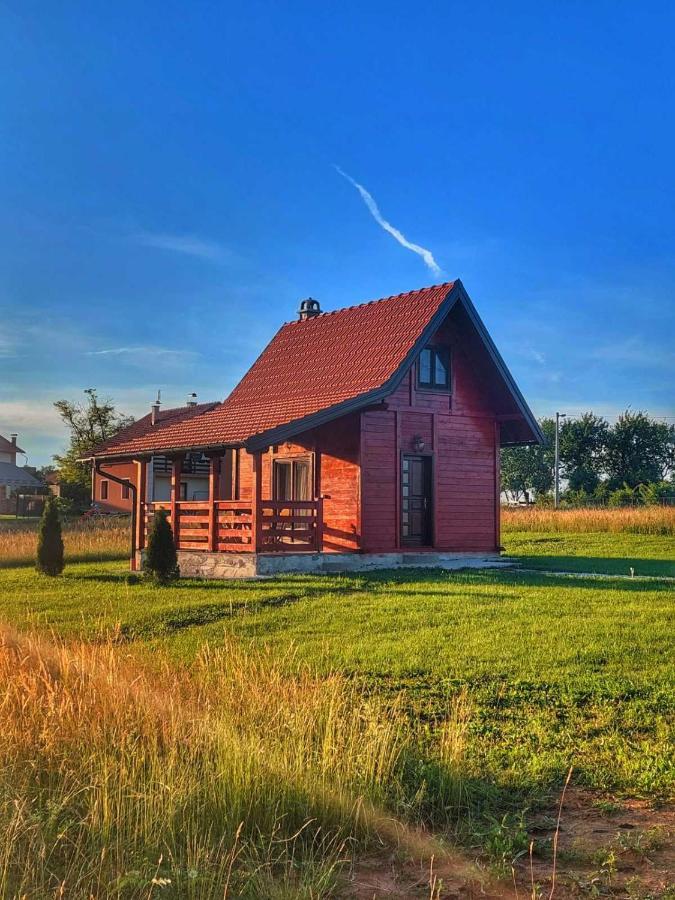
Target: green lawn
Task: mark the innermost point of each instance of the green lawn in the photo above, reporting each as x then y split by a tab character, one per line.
557	671
609	553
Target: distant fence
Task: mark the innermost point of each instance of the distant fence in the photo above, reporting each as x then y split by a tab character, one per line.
23	505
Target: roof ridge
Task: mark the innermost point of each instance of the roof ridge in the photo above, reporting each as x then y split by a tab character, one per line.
175	409
333	312
190	406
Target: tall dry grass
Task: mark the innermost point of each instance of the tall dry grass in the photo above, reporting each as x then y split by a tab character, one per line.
658	520
96	540
118	779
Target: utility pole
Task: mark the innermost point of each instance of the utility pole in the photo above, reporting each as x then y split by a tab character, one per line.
558	417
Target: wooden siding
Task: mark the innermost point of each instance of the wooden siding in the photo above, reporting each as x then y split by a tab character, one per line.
379	480
460	433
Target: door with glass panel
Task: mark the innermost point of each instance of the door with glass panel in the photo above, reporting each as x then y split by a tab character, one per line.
416	501
292	481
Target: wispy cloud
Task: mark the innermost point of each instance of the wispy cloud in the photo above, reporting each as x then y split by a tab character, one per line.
635	351
144	352
7	345
374	210
188	244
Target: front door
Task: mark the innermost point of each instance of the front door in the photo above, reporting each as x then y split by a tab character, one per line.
416	500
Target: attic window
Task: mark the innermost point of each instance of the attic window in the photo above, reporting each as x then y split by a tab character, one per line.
433	369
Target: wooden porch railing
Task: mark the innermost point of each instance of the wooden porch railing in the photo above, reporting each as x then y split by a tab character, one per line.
290	525
230	526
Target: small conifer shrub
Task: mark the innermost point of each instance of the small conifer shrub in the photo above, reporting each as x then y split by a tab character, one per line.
49	559
161	562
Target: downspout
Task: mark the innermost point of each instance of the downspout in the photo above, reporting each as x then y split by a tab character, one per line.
133	489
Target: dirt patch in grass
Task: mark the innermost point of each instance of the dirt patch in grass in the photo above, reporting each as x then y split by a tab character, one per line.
606	848
622	848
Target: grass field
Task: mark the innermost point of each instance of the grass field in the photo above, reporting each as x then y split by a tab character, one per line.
606	541
484	688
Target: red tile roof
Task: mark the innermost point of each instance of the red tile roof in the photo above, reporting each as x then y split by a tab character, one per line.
308	367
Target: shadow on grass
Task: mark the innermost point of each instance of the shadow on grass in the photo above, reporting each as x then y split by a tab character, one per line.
600	565
415	581
178	619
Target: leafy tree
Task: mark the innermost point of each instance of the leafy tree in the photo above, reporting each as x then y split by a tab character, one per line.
639	450
90	423
44	472
161	562
583	442
50	541
529	468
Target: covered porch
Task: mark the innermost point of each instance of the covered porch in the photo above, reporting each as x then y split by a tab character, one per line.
217	525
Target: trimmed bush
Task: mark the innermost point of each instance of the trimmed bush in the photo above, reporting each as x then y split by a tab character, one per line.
161	562
49	559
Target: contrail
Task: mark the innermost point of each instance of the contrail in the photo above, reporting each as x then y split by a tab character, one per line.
368	199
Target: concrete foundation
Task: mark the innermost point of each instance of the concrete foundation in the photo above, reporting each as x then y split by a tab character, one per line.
202	564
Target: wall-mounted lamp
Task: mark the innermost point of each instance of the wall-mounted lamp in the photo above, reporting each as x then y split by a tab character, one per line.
418	443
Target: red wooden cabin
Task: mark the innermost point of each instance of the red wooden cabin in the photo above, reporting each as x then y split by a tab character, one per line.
364	437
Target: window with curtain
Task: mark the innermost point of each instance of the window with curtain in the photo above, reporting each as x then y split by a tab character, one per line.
292	479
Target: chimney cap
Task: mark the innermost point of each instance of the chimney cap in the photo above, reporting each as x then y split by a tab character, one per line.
154	409
308	309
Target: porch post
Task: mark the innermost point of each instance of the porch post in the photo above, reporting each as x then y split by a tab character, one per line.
214	496
256	489
319	524
176	469
141	493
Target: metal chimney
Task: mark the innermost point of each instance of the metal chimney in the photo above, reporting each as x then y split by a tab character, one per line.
154	409
308	309
192	399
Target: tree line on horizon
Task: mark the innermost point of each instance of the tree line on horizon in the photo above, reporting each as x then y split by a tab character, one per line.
630	461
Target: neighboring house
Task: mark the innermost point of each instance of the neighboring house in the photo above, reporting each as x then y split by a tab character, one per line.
364	437
13	479
9	449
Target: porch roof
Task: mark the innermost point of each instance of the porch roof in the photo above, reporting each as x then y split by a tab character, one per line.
312	371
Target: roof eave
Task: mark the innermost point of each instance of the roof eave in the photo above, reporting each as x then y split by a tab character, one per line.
503	369
457	292
162	451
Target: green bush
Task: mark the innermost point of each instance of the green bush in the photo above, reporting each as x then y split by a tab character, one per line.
161	562
625	496
49	559
656	492
65	506
577	498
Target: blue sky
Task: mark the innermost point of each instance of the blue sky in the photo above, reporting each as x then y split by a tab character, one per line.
169	191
